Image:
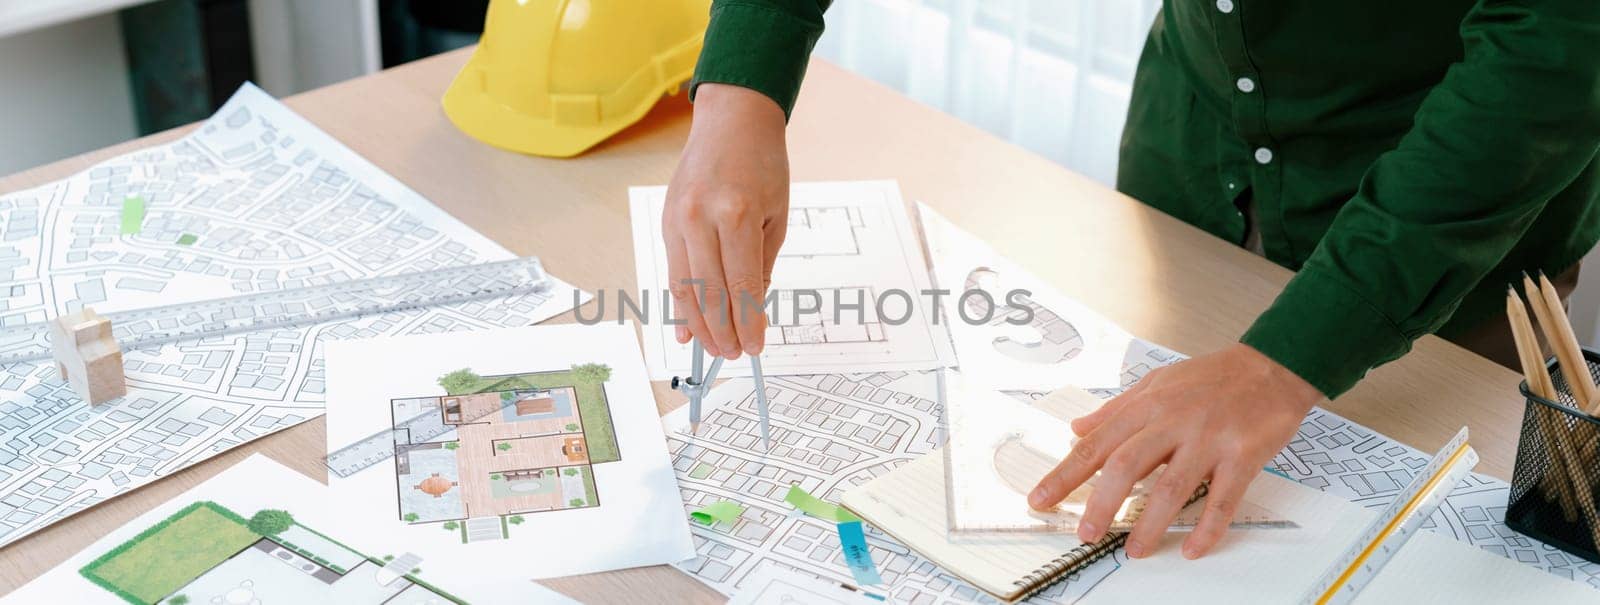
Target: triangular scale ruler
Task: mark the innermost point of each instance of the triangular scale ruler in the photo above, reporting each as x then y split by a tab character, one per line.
998	448
1372	550
139	328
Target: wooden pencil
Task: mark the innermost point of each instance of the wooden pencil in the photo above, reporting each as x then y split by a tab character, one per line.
1556	484
1565	342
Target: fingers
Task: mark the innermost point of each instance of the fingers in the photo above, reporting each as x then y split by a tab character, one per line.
1087	423
705	264
685	298
742	242
1167	497
1132	461
1227	490
1086	457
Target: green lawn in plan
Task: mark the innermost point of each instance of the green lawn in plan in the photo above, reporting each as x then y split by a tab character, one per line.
598	433
171	553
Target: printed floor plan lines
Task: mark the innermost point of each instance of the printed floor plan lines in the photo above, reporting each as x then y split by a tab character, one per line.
843	237
823	231
791	319
511	454
255	199
516	444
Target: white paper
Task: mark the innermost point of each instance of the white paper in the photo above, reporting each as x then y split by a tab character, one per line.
773	585
1064	343
830	433
1277	566
517	464
1329	453
849	242
229	564
274	204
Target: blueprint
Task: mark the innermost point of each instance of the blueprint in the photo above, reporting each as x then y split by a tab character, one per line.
255	533
832	432
847	289
256	199
548	458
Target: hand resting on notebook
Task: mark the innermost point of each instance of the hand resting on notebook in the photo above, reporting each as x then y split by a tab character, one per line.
1217	417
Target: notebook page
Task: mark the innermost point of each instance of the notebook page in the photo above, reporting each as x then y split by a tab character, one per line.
909	504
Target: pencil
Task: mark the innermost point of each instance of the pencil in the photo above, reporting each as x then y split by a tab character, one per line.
1556	482
1573	364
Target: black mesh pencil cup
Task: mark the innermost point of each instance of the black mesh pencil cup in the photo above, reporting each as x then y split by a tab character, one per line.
1555	488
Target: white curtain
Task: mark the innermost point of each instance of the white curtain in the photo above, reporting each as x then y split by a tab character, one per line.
1053	76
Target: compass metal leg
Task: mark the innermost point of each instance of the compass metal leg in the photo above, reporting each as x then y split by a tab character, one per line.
761	400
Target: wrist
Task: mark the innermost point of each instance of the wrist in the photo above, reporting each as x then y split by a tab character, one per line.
720	108
1294	390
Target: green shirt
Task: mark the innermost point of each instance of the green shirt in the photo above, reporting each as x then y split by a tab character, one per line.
1408	159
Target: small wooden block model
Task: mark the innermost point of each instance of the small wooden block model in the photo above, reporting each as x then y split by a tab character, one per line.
87	356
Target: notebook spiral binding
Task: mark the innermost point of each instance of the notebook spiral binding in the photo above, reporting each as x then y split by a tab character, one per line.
1068	563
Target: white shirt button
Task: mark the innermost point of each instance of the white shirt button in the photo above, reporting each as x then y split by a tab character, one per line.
1246	85
1263	155
1225	6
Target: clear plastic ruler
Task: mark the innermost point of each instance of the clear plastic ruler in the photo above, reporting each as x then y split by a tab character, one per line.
155	326
997	449
1373	549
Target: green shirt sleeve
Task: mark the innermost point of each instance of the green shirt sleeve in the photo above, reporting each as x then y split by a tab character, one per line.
1511	125
763	45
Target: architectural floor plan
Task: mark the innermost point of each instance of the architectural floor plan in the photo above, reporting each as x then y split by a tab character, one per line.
514	447
507	455
255	199
848	292
256	533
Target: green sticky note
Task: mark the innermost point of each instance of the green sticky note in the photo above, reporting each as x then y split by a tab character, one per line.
815	507
726	511
132	214
187	239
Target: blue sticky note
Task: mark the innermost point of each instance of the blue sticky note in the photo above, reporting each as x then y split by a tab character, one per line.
856	554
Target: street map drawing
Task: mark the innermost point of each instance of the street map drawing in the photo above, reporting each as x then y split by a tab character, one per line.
832	432
255	199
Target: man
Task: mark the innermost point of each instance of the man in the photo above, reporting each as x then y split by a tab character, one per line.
1408	159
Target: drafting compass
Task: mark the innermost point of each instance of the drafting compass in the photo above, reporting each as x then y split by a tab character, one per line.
696	385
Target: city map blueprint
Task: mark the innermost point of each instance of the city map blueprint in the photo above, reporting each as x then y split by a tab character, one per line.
832	432
256	199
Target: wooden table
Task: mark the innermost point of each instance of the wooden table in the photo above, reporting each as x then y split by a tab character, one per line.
1157	277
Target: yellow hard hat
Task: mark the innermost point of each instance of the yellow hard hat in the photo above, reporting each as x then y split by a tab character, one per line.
555	77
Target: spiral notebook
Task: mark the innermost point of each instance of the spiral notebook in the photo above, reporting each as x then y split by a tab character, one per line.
909	504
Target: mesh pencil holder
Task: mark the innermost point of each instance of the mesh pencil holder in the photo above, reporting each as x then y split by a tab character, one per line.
1555	488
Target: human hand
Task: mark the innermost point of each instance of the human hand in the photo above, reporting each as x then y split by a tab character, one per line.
1220	416
727	211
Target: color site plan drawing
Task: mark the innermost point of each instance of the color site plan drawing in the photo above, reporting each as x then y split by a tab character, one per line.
515	444
848	292
205	551
257	533
255	199
507	455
